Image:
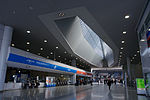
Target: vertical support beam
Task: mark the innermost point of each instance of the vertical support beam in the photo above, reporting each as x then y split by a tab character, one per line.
73	79
73	63
5	41
129	69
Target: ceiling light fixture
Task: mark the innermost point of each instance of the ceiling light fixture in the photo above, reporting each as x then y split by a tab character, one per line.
51	53
132	57
56	47
47	56
28	32
28	43
142	40
41	48
138	51
127	16
45	41
124	32
121	48
149	29
59	56
12	45
61	14
120	52
28	50
122	41
65	52
120	56
135	55
39	53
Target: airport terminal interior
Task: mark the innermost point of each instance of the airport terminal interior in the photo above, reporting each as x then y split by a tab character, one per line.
74	50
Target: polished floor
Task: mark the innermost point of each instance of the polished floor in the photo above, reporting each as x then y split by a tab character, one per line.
87	92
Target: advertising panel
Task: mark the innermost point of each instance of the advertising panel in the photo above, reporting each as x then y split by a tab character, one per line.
140	86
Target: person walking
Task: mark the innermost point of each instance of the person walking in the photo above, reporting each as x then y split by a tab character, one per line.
91	81
109	82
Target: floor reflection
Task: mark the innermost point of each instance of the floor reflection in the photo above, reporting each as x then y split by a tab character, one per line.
96	92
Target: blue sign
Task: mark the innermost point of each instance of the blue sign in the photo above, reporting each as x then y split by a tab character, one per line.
29	61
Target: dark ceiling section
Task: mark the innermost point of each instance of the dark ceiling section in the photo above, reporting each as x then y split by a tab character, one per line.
22	15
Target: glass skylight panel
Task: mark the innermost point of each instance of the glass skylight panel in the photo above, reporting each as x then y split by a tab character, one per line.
94	41
92	38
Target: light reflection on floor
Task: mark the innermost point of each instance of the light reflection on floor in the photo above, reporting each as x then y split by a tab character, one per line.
87	92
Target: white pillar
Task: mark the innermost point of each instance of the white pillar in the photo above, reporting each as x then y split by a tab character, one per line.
73	79
5	40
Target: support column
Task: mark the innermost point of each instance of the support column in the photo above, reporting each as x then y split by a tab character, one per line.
73	79
73	63
5	41
129	69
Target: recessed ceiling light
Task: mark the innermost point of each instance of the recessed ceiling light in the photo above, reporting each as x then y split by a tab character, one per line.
120	52
132	57
131	60
61	14
135	55
47	56
149	29
124	32
59	56
65	59
28	32
121	48
122	41
28	42
41	48
120	56
138	51
28	50
12	45
127	16
45	41
39	53
56	47
51	53
76	58
143	40
65	52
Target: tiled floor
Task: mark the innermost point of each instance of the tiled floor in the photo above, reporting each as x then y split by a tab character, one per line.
95	92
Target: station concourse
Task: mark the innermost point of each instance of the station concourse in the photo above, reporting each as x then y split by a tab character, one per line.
74	50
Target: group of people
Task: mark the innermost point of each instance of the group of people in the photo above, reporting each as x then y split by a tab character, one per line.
30	84
109	81
82	82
